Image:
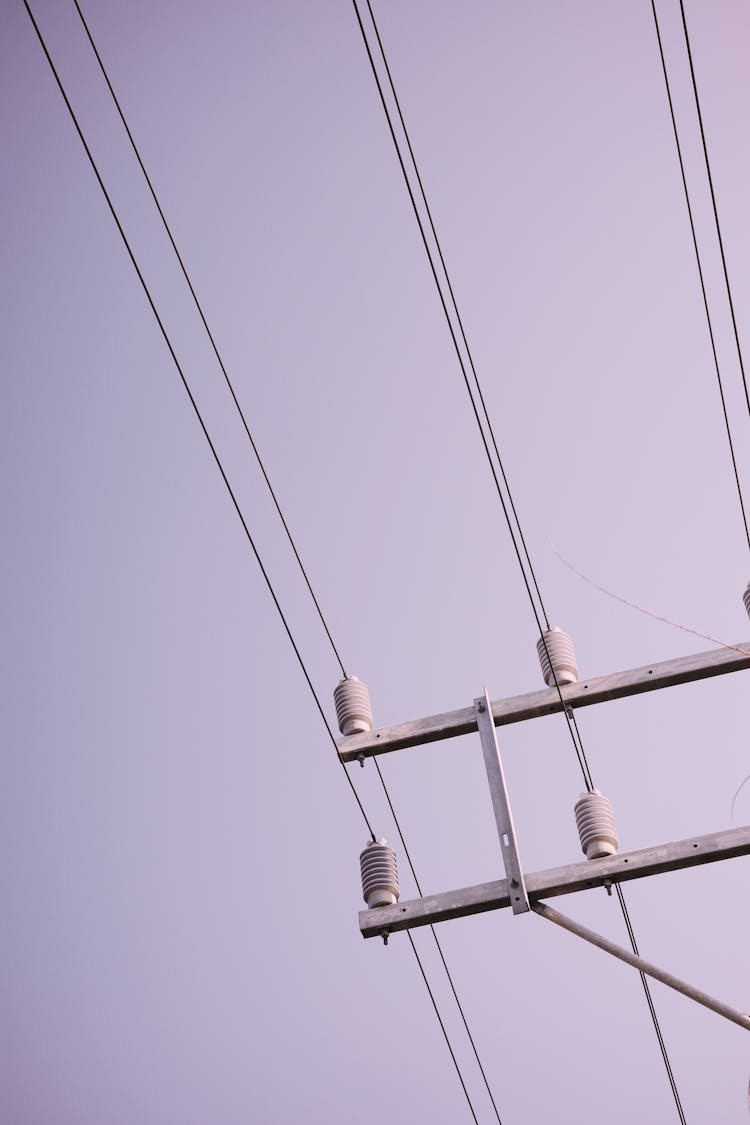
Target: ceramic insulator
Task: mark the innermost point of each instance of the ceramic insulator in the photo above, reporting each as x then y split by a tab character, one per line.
379	874
353	707
746	599
596	825
558	651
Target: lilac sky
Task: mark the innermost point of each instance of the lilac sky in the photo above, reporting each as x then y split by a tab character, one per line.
179	870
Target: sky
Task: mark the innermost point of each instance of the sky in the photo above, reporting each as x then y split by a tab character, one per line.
179	867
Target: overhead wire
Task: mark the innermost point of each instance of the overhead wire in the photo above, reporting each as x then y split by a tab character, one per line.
196	409
714	205
210	335
694	237
239	512
700	267
451	329
569	715
454	305
438	945
717	224
442	1026
577	744
652	1009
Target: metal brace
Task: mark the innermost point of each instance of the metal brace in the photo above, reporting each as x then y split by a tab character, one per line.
519	899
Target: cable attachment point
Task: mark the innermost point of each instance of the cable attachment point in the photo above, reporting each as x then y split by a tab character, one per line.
557	657
746	599
596	825
379	871
353	707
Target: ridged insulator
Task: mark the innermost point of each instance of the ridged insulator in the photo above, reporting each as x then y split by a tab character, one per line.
746	599
558	651
379	874
353	707
596	825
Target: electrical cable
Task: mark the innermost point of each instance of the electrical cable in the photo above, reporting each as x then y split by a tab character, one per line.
196	410
700	268
442	1025
715	208
236	504
651	1008
209	334
437	942
569	715
445	307
578	746
454	303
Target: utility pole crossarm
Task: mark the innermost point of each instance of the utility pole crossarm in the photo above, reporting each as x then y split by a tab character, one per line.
651	677
557	881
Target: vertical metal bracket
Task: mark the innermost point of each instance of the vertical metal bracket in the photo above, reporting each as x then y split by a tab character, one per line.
519	899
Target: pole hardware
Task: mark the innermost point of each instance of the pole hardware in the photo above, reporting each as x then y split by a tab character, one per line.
533	705
647	967
603	867
506	830
623	867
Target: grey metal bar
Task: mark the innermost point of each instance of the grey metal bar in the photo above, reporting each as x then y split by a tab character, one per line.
651	970
556	881
493	763
450	724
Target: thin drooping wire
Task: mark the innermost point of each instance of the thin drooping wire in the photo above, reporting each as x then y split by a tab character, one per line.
737	792
578	746
242	520
196	410
442	1026
649	612
569	715
454	303
210	336
700	270
715	208
651	1008
437	943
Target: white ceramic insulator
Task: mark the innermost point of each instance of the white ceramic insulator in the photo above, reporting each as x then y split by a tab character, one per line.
596	825
377	864
353	707
746	599
558	651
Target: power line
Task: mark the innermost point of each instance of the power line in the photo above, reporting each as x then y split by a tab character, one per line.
651	1008
209	334
437	942
445	310
577	744
196	410
454	304
700	270
236	504
569	715
715	208
442	1026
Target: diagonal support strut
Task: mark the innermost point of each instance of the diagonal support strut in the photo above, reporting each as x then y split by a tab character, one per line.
651	970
